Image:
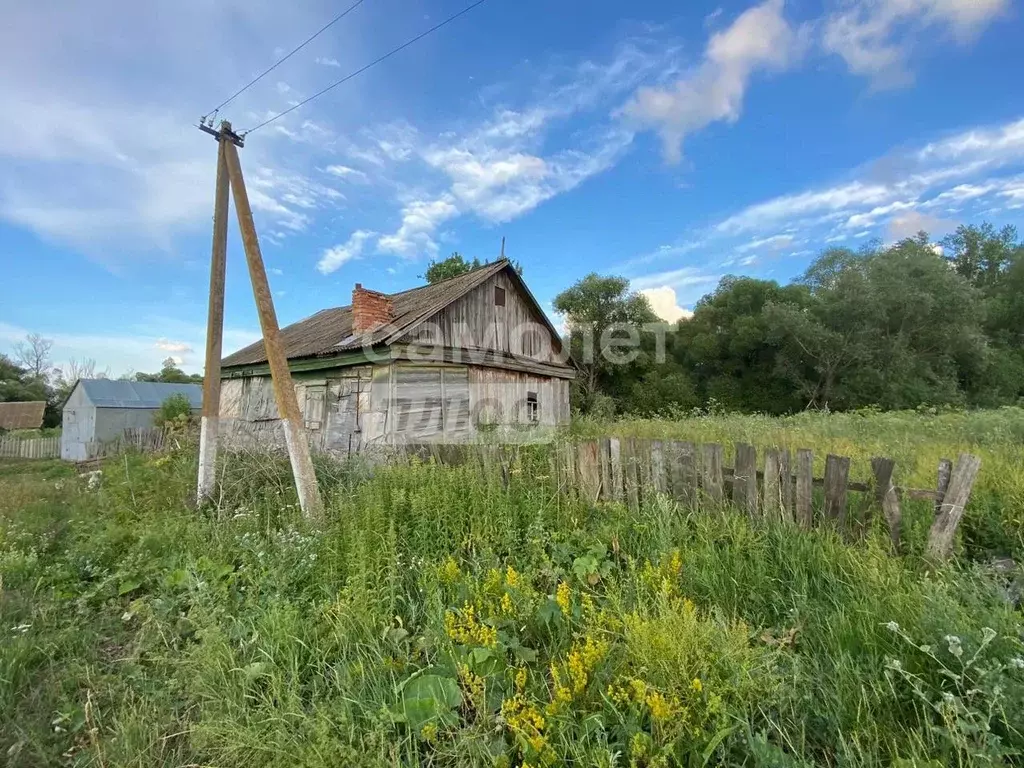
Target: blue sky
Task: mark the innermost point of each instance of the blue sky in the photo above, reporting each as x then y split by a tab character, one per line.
669	142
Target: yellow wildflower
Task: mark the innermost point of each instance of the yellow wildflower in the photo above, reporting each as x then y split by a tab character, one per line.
449	571
493	581
697	685
511	577
506	604
563	596
429	733
466	629
662	707
472	684
675	563
520	679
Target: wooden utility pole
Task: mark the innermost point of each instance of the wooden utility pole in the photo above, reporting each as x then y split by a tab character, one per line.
210	425
284	390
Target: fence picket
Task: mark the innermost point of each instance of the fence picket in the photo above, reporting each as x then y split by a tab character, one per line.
804	487
772	504
837	473
712	482
744	479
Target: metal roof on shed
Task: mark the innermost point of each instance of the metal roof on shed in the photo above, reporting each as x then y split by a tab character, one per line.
108	393
22	415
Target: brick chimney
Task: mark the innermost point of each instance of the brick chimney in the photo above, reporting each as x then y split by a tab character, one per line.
370	309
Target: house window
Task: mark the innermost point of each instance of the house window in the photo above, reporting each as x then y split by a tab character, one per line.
314	407
532	408
499	296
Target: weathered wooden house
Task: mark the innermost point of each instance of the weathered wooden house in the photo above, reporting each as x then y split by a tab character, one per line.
442	362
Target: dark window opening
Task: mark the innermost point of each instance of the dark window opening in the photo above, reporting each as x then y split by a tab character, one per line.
499	296
532	408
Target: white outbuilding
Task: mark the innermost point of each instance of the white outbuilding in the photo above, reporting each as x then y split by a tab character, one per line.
99	410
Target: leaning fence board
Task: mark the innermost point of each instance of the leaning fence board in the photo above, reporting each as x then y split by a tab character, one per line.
940	538
837	474
744	479
786	480
684	472
804	487
630	473
588	461
604	457
615	461
945	470
659	479
711	478
885	493
772	505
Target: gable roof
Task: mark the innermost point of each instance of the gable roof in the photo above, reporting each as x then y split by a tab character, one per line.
22	415
108	393
330	330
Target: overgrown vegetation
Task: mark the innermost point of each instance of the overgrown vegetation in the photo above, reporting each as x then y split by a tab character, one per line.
443	618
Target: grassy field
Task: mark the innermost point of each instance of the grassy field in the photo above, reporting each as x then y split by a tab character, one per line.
438	618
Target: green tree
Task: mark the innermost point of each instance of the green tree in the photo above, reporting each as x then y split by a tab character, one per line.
605	322
170	374
445	269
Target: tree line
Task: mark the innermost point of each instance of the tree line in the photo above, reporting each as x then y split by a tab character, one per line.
894	327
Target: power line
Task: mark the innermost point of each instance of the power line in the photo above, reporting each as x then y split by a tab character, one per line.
287	56
362	69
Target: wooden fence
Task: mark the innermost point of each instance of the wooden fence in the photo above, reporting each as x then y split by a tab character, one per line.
630	470
32	448
144	439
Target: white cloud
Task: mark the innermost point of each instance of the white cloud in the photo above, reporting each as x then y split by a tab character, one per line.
71	168
326	61
275	271
773	243
663	303
759	40
344	172
498	169
333	258
420	218
787	207
912	222
874	36
168	345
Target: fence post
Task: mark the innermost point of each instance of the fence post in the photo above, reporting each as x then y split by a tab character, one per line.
615	462
885	493
945	470
630	474
804	487
590	470
772	505
658	479
711	473
837	473
961	480
744	479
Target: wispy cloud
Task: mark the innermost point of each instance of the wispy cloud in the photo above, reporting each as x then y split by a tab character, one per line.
760	39
333	258
874	36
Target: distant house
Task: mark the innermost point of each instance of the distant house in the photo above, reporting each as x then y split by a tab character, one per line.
99	410
23	415
436	363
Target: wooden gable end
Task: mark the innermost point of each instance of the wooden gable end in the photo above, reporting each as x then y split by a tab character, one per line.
498	315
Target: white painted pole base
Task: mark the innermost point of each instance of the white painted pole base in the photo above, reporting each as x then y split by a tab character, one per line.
208	430
302	468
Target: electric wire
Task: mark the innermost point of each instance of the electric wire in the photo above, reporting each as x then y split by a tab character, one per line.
285	58
362	69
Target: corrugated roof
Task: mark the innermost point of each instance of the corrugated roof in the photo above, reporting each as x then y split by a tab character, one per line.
109	393
330	330
23	415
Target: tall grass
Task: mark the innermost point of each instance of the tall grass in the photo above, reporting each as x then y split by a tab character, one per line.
442	618
917	440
